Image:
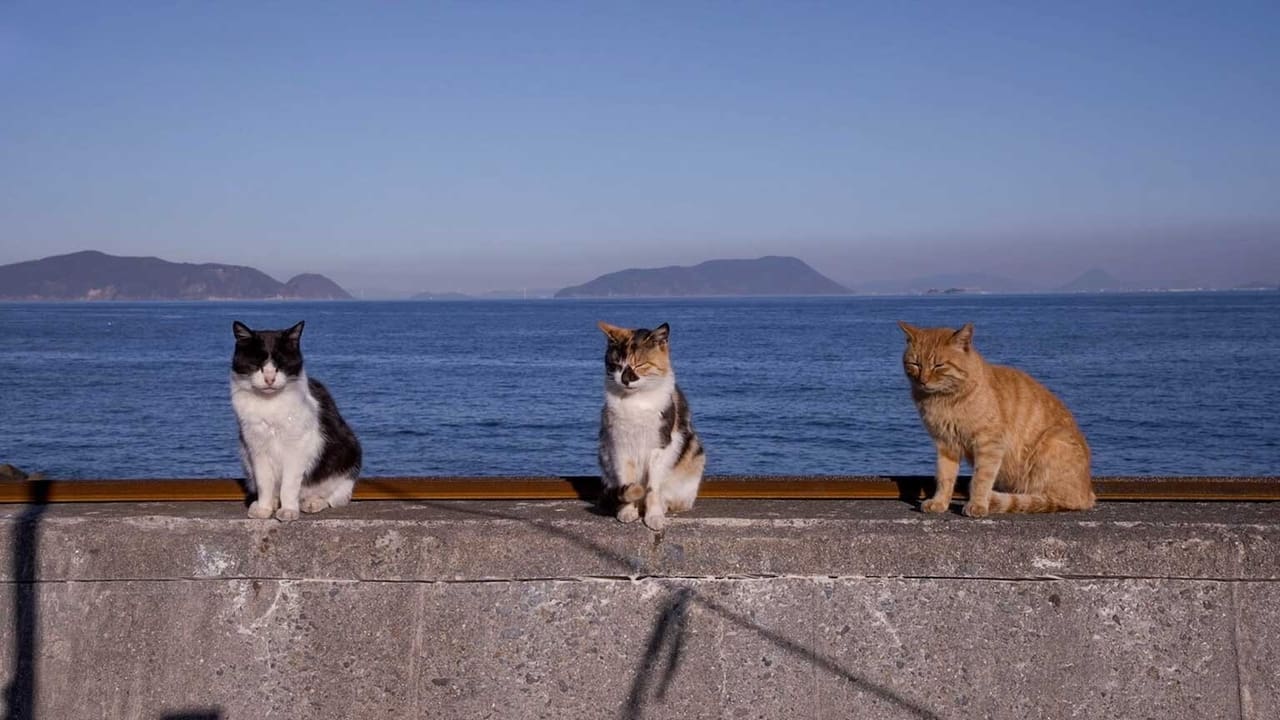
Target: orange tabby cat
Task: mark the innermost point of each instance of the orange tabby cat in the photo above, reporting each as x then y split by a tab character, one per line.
1015	433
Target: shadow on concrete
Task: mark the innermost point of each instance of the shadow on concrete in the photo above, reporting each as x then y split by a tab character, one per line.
249	497
668	632
202	714
627	566
818	660
671	626
588	487
916	489
912	489
20	693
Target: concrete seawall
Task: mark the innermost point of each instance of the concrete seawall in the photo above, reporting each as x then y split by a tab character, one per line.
742	609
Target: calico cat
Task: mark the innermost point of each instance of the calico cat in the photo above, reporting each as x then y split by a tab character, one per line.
650	455
297	451
1027	453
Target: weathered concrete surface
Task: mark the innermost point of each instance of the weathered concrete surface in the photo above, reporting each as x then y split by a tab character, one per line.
531	540
744	609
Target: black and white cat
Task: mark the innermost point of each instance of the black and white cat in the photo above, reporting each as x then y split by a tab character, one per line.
297	451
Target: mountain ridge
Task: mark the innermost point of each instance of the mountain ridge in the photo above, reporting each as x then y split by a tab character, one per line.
95	275
768	275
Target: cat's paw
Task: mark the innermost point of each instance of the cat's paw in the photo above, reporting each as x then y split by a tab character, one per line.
314	504
628	513
975	510
259	511
935	505
656	522
679	505
286	514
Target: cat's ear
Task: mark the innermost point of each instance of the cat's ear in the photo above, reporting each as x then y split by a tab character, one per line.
614	332
909	330
963	338
295	333
660	334
241	330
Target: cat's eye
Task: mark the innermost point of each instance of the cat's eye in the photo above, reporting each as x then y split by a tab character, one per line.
643	367
939	366
913	365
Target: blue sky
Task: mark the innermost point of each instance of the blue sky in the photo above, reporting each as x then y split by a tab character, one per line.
484	145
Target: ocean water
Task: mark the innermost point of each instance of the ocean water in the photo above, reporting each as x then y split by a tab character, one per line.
1162	384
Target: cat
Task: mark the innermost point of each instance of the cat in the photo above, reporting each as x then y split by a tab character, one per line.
298	452
650	455
1027	453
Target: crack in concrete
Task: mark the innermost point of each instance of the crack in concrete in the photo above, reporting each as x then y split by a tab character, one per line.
1242	692
644	577
416	649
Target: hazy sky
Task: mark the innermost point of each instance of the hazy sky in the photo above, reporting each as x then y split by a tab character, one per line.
483	145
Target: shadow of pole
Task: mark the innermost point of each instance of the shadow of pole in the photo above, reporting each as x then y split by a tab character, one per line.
20	693
202	714
624	565
669	630
671	625
824	663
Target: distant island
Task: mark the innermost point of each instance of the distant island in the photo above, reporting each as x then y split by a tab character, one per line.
1258	285
440	296
948	284
523	294
771	275
93	275
1095	280
954	291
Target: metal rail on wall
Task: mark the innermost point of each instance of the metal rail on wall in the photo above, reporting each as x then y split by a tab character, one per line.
907	488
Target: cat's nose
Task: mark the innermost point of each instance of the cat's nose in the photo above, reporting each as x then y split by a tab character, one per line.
629	376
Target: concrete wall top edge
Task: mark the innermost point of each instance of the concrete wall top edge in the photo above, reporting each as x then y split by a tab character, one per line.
469	541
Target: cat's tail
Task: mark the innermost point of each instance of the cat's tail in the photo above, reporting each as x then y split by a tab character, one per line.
1035	503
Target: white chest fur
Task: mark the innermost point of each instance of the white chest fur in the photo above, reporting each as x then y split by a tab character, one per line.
635	421
284	426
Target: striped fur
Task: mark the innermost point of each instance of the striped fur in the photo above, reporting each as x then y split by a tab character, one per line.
650	456
1028	454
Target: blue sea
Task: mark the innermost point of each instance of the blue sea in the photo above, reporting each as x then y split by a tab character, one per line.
1161	383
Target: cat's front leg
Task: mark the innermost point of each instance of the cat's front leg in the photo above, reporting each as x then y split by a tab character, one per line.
948	467
987	459
630	491
655	511
266	478
290	492
655	504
